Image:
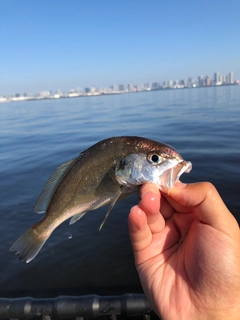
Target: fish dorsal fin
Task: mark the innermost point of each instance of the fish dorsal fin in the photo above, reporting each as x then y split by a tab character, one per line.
76	217
51	186
114	200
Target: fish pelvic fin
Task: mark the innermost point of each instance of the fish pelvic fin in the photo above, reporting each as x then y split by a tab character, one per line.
112	204
28	245
77	217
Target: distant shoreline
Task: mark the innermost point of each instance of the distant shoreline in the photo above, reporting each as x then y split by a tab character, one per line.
81	95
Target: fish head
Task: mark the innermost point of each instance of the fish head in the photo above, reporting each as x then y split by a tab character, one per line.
162	169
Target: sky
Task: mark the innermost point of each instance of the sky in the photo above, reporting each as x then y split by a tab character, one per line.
65	44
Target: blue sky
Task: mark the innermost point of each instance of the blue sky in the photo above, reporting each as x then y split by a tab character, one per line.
74	43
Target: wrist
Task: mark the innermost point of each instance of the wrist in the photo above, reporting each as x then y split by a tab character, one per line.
229	313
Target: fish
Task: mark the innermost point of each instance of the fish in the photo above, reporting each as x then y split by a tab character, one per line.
105	173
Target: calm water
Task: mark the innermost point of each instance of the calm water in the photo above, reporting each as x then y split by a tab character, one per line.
35	137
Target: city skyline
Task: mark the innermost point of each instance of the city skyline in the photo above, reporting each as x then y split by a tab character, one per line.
217	80
93	44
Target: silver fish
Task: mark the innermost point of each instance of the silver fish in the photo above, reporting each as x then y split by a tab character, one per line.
107	172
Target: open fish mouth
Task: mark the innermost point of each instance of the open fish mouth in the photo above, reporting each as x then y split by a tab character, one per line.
169	177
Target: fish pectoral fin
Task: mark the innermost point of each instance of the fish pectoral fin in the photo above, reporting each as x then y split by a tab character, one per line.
76	217
114	200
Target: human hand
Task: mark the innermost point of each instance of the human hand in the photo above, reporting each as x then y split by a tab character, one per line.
186	246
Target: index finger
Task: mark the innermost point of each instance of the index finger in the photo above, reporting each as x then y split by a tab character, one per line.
206	204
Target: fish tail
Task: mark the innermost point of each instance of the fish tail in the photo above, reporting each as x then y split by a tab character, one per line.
29	244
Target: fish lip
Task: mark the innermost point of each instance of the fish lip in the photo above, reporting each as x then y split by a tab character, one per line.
172	175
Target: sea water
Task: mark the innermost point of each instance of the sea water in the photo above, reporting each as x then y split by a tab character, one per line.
203	124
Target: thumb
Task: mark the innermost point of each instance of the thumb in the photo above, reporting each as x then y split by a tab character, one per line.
206	204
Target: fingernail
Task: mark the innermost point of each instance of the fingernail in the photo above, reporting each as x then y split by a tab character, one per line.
149	188
180	185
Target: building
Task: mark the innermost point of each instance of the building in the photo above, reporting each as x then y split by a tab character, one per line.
190	82
121	87
217	78
200	81
131	88
113	88
230	77
155	85
183	83
89	90
207	81
147	86
223	79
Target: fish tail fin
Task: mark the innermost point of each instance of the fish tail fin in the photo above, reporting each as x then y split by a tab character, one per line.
28	245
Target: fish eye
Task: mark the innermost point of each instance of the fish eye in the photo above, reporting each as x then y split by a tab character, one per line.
154	159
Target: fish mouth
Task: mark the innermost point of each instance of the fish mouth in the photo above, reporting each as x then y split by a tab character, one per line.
169	177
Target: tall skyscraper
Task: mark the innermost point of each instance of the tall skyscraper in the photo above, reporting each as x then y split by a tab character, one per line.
200	81
216	77
223	78
207	81
230	77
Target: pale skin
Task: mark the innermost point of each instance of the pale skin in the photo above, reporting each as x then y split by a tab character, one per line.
186	246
